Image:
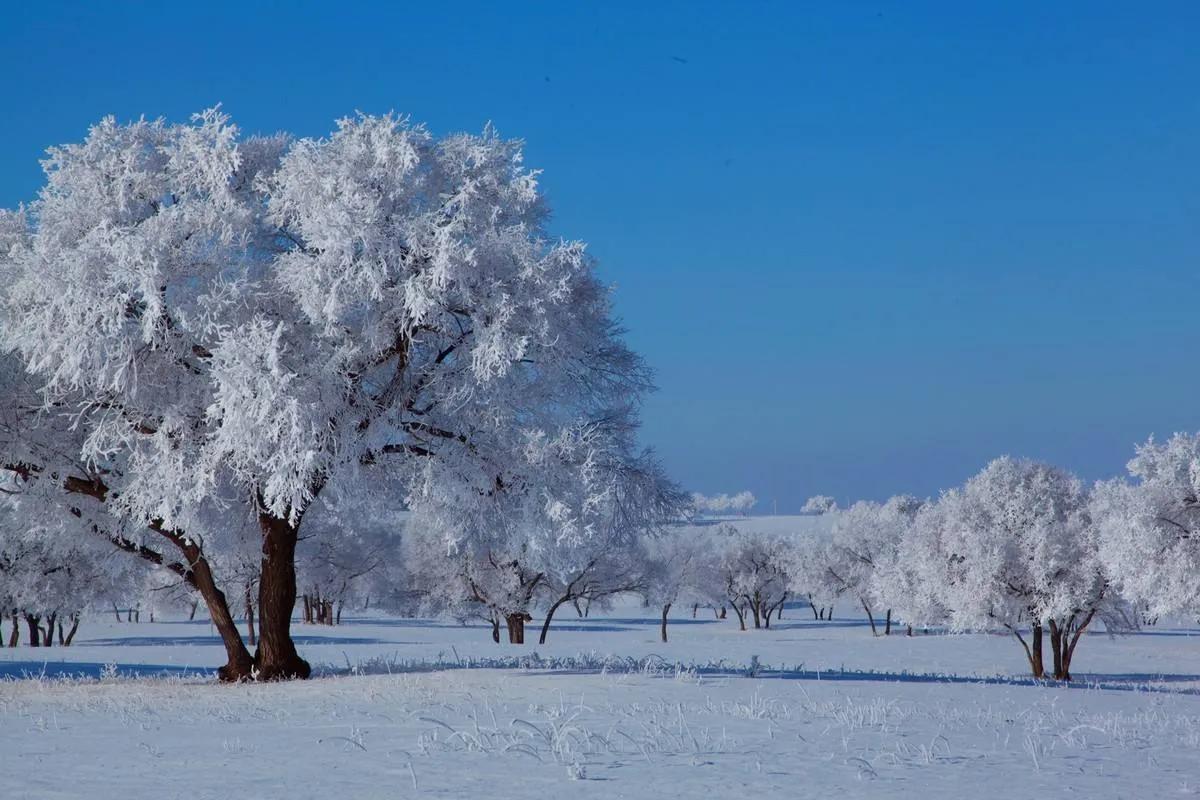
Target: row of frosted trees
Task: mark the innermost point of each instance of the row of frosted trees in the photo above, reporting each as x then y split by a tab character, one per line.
1022	548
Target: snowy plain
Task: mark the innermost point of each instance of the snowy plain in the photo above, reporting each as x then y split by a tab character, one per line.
419	708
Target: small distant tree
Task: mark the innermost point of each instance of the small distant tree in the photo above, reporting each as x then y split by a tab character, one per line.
673	566
752	570
724	504
819	504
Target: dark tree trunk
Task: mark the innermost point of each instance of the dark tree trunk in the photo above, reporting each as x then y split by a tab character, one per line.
195	605
870	617
276	657
14	637
71	632
1037	663
741	617
62	640
695	608
1069	649
48	634
1056	649
665	610
777	609
1063	640
250	637
1033	650
496	628
307	610
337	620
887	627
116	612
238	663
549	616
909	632
756	611
578	609
813	606
516	627
34	631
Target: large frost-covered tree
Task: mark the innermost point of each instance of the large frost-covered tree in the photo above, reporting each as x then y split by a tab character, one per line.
250	324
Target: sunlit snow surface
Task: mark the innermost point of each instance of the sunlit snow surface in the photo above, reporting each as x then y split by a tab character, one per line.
432	709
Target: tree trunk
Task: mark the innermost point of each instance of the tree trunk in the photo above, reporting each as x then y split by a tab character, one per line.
549	616
276	657
496	628
740	616
578	609
665	610
1069	649
307	610
516	627
238	663
887	627
777	609
1033	650
71	633
337	620
14	637
34	632
250	637
813	606
116	612
62	640
695	608
1057	635
870	617
48	634
195	605
755	603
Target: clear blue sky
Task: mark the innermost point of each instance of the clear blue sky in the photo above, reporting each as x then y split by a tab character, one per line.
866	246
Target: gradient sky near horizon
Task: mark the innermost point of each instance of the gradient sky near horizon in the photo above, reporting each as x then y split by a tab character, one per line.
865	246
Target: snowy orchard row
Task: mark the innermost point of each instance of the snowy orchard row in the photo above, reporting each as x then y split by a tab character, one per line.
1021	547
224	356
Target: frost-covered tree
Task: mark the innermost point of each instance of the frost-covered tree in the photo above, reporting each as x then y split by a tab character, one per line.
752	572
913	577
720	504
674	569
1018	548
569	536
250	324
866	537
819	504
1149	528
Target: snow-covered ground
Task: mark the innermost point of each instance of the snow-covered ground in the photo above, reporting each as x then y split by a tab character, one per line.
434	709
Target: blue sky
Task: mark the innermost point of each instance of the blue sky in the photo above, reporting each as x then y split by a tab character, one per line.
865	246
